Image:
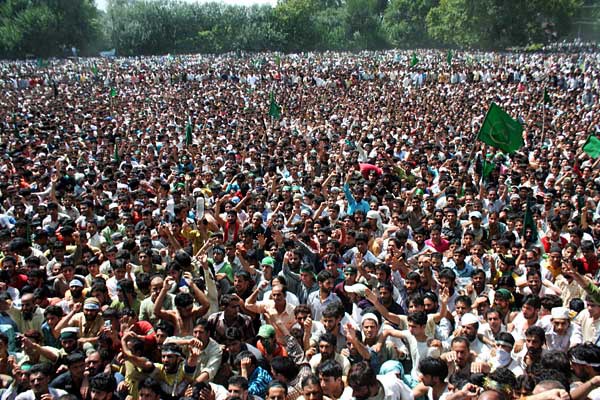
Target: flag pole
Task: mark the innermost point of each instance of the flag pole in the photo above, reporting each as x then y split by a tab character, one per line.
543	119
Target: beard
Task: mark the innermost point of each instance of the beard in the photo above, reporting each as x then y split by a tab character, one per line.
27	315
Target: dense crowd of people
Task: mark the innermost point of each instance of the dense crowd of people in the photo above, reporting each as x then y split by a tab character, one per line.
306	226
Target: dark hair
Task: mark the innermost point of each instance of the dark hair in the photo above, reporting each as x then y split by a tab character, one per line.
587	352
278	384
103	383
447	273
557	360
311	379
324	276
465	300
537	332
460	339
43	368
419	318
328	337
183	300
533	301
74	358
246	354
152	384
504	376
238	380
54	310
551	301
285	366
330	368
361	374
433	367
506	337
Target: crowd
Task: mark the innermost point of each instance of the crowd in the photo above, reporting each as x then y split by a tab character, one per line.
306	226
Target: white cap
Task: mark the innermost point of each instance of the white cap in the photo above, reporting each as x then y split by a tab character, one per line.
560	313
357	288
475	214
469	319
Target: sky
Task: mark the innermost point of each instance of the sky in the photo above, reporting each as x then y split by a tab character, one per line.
102	3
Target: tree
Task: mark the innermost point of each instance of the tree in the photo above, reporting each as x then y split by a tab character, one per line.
404	22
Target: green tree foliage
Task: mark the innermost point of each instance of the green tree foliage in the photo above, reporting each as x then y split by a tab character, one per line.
51	27
43	28
498	23
404	22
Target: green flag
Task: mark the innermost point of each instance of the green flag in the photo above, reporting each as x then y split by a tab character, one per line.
41	63
277	60
592	146
501	131
547	99
414	60
95	70
188	133
116	157
274	108
486	168
113	92
529	223
449	57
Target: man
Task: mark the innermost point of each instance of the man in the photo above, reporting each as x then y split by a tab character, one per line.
71	380
469	326
173	373
503	354
258	378
102	387
528	316
28	317
562	334
368	386
331	321
149	389
147	305
237	386
317	301
459	358
589	320
584	360
185	312
277	391
229	317
311	388
89	321
276	307
327	351
39	378
433	374
330	378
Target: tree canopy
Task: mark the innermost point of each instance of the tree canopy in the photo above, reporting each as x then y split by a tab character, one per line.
52	27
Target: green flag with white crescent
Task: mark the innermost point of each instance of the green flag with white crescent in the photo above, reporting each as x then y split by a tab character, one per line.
188	133
274	108
501	131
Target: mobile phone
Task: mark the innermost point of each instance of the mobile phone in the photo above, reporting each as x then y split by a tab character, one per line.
107	324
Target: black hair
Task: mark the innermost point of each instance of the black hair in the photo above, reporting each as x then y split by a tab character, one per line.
330	368
103	382
433	367
285	366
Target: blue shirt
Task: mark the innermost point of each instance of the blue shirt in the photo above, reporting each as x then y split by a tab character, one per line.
258	382
353	205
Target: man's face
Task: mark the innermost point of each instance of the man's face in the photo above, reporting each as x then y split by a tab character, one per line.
416	329
69	344
77	369
462	353
312	391
171	362
276	393
27	305
533	343
155	287
494	321
90	315
147	394
560	326
327	350
39	383
240	284
528	311
100	395
534	282
446	283
385	295
330	385
93	363
237	391
430	306
370	329
326	286
461	308
329	323
470	331
479	281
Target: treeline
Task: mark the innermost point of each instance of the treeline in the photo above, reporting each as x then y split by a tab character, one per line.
41	28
